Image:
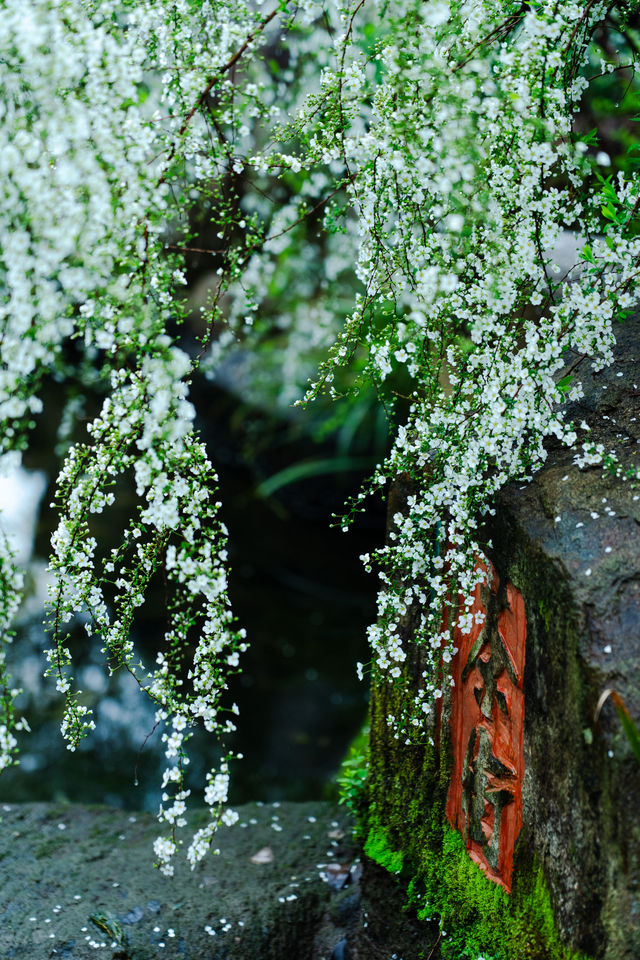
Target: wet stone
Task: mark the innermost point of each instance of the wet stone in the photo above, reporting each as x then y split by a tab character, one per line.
90	894
134	916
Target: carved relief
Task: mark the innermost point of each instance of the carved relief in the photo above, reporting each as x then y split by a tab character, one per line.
487	728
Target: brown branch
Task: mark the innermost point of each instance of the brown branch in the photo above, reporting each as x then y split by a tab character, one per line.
212	82
274	236
224	68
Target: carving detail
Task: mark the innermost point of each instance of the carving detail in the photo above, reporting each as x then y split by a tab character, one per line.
487	730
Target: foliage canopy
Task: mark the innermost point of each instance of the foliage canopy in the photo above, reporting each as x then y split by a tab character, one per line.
429	156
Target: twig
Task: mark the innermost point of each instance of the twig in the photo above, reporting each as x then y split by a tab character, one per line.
142	746
211	83
435	945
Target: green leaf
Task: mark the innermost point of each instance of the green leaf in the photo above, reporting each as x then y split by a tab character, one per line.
311	468
565	383
349	428
628	724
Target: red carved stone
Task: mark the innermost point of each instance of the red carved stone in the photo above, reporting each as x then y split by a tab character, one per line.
487	731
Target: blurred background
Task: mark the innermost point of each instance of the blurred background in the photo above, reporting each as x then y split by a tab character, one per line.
297	586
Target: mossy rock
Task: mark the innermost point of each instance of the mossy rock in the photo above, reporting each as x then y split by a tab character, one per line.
569	541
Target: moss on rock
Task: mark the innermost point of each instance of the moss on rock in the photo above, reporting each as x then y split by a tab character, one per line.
471	916
569	543
452	911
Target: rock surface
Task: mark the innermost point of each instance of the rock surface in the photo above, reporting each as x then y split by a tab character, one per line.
570	540
78	882
568	543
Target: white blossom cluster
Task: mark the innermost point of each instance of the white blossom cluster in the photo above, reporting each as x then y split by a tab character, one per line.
11	582
106	115
434	140
464	178
146	427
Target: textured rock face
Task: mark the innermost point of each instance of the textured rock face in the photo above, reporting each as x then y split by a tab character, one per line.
570	541
78	882
566	550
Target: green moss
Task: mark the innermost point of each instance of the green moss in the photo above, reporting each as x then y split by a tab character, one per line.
406	832
545	613
48	847
378	848
476	917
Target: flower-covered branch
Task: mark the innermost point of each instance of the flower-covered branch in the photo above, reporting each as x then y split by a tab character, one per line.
386	185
